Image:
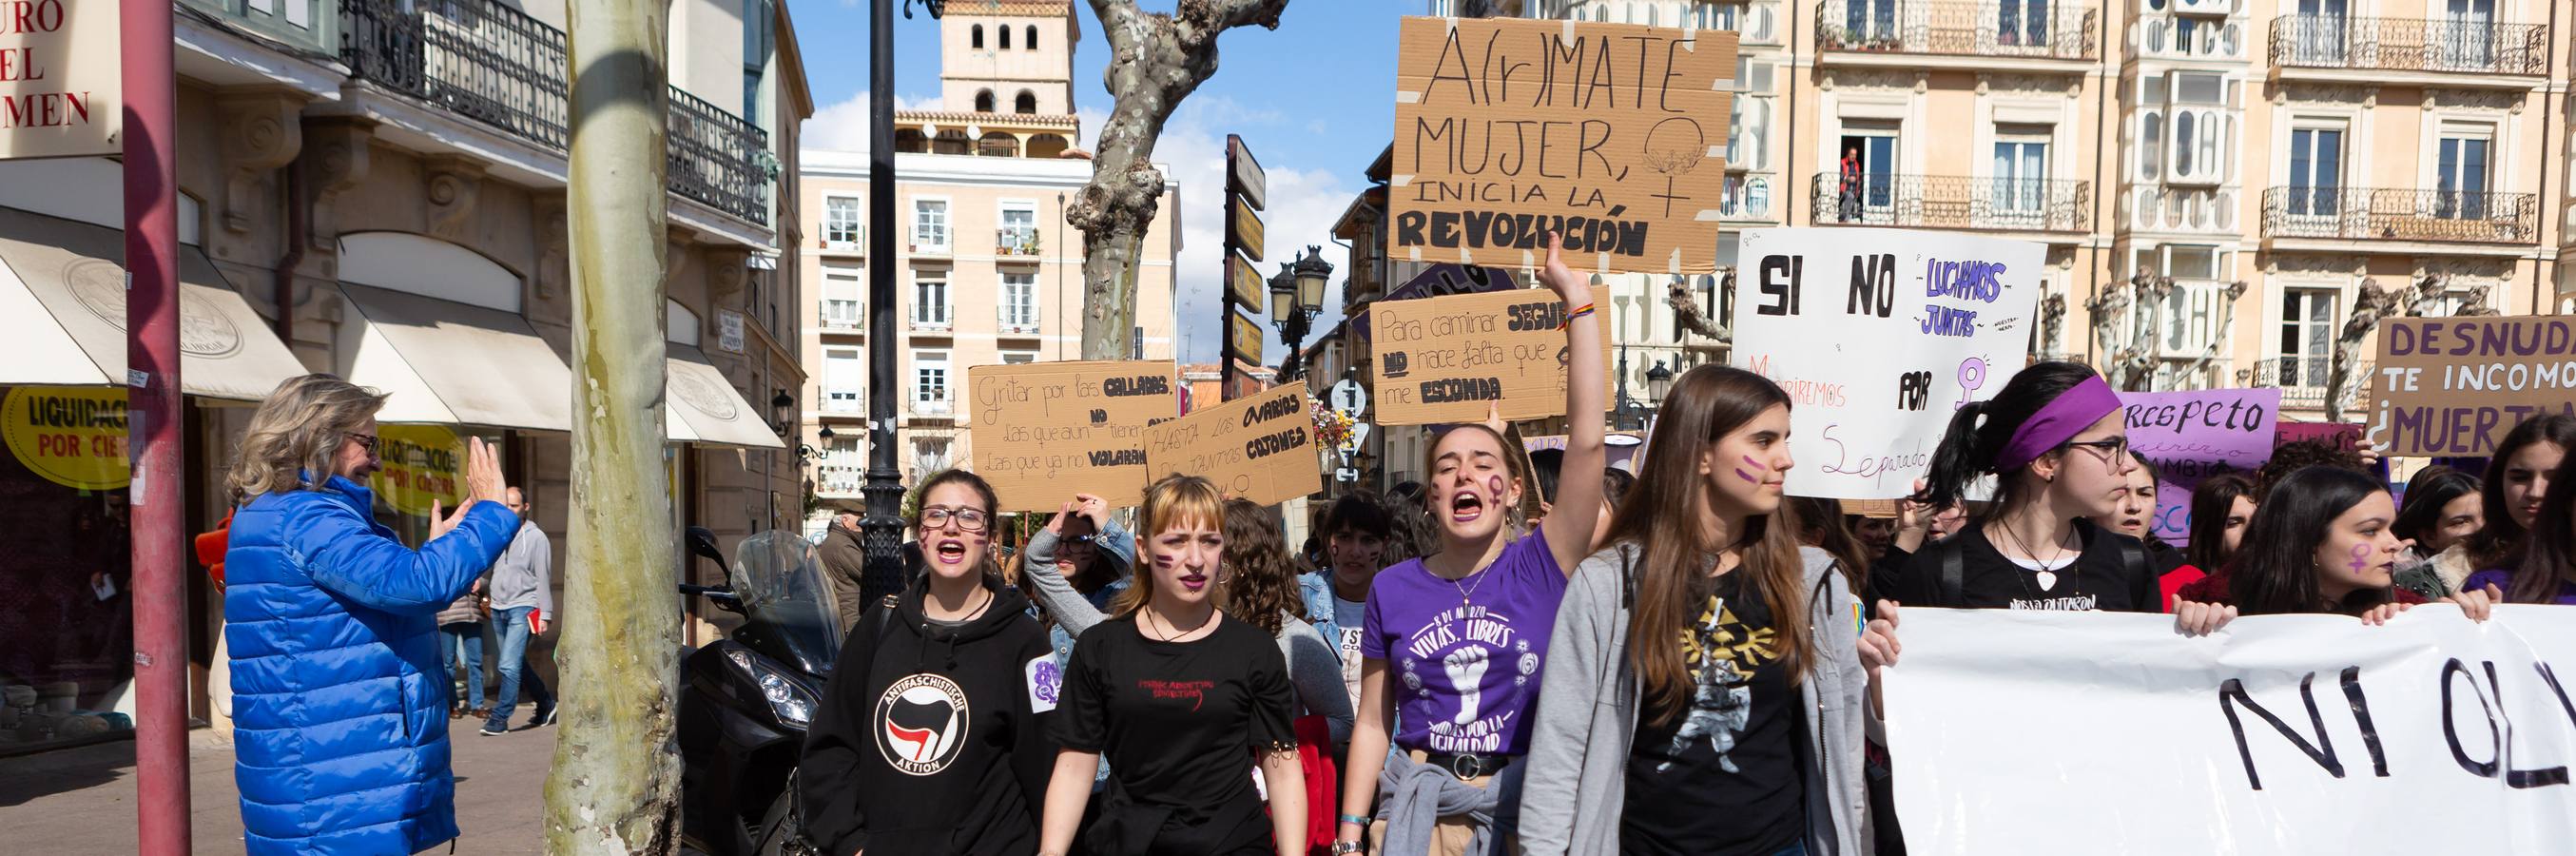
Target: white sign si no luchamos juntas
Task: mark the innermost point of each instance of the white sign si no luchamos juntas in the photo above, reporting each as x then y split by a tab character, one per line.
2055	733
1878	335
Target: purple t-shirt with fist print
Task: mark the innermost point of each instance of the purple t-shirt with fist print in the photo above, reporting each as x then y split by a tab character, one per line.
1463	656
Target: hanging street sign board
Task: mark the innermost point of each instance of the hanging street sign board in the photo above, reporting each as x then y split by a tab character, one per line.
1244	283
61	81
1244	227
1611	134
1246	339
1244	177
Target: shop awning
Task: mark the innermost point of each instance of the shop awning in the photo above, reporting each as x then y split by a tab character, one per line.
702	407
62	315
444	362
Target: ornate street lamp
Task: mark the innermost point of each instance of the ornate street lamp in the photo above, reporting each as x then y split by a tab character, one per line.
1296	296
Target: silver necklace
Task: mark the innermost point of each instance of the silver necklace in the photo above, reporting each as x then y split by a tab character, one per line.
2046	575
1168	625
1467	594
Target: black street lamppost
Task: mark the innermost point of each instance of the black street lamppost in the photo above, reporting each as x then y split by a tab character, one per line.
1659	382
1296	295
881	529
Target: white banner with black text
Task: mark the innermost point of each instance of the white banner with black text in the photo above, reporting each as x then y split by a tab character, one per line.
2054	733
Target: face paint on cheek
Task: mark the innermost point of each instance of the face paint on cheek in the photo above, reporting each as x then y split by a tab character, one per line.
1494	486
1749	475
2360	557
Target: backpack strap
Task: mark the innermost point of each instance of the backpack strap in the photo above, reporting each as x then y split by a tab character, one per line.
885	619
1954	573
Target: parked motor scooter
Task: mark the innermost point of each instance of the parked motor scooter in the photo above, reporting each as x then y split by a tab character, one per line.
746	700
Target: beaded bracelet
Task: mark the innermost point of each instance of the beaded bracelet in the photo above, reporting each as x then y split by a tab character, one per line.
1570	316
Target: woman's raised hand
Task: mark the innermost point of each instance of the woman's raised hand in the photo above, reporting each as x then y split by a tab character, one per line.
1573	288
483	482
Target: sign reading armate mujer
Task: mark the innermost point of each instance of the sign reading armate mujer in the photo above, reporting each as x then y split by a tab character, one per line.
1611	134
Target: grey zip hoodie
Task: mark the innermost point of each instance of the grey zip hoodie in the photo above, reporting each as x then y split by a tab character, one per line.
1577	773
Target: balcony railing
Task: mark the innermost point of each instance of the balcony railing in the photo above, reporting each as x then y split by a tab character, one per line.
2190	37
717	158
1016	241
503	68
839	480
2030	29
480	59
2408	44
1954	202
2360	213
2303	379
308	24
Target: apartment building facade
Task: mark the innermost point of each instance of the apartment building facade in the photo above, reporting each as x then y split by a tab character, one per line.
987	269
377	189
2253	164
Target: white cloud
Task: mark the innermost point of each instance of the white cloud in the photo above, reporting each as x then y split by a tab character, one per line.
844	126
1303	204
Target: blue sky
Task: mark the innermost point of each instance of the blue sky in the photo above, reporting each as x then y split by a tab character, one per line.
1313	99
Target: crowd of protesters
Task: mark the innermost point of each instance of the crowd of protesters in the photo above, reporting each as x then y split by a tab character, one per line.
1542	656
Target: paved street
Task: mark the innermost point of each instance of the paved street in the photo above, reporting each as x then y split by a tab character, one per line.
80	802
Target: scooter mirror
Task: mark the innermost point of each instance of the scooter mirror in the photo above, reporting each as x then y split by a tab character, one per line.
703	543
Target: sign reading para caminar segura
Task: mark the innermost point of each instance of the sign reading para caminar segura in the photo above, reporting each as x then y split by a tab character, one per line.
1611	134
61	94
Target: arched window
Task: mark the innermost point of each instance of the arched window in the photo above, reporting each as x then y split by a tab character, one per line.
984	101
911	141
976	38
1030	43
1047	146
1026	104
1005	30
996	144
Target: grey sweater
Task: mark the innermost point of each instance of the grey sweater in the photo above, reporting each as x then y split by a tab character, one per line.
525	573
1577	773
1312	663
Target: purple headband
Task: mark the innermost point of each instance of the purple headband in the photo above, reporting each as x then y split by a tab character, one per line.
2073	411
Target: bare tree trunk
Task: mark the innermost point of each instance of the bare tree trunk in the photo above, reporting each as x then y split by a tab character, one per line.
1155	60
2370	304
615	786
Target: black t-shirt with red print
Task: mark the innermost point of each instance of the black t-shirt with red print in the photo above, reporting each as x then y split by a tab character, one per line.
1180	724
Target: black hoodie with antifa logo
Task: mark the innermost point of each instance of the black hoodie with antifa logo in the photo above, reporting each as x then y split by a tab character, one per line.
931	738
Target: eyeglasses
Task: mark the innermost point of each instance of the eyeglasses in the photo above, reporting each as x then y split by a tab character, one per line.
2111	450
364	441
937	516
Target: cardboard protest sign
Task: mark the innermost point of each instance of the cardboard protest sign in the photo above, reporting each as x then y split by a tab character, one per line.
1044	431
1259	447
2341	435
2195	434
2454	386
1442	359
1612	134
1906	326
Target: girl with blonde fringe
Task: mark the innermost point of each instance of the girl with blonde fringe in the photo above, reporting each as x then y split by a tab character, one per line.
1177	695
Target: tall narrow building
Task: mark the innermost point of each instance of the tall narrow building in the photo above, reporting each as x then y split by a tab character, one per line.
987	269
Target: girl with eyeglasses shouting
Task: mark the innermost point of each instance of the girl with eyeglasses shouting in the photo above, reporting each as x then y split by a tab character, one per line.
2056	443
932	734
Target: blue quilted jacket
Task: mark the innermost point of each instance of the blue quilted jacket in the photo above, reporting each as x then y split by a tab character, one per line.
339	716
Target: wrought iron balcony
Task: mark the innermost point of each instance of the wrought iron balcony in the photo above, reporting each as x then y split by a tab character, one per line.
2361	213
2011	28
718	158
1954	202
307	24
2409	44
2303	379
503	68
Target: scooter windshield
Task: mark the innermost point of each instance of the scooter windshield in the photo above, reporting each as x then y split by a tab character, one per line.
785	597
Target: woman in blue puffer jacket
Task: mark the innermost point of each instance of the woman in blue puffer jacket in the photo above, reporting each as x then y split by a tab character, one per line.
339	713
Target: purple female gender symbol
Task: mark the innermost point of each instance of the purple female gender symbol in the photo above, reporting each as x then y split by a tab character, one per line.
1972	374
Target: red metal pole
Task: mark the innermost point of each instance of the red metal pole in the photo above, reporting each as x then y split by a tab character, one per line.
152	431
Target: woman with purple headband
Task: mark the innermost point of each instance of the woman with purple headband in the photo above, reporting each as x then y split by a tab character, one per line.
2058	449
